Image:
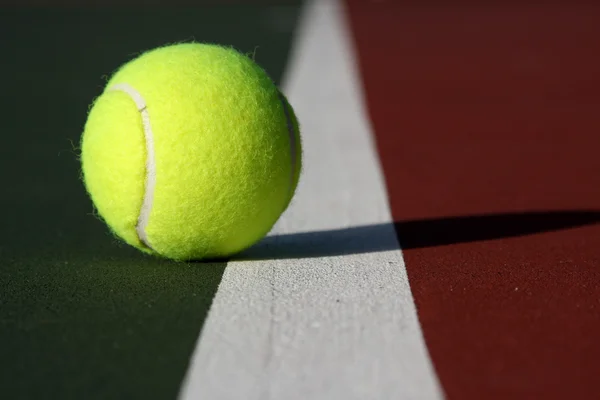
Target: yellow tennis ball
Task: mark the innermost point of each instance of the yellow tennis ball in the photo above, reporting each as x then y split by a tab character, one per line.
191	152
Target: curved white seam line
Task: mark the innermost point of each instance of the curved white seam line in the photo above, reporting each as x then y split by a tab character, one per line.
150	163
293	143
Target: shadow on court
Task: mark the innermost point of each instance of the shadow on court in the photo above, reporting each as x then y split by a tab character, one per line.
415	234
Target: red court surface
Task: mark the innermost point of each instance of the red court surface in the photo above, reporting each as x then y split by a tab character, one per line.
493	109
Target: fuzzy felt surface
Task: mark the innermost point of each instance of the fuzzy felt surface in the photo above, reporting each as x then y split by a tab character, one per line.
222	152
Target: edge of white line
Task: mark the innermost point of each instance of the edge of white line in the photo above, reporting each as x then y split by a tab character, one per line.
328	326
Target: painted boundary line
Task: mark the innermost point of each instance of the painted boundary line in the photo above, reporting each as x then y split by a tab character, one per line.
338	327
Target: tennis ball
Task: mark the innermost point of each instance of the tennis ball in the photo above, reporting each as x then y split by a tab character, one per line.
190	152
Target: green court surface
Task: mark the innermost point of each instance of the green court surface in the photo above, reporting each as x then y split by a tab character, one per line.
81	315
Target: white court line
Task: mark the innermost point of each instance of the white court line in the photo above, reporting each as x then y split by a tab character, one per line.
333	327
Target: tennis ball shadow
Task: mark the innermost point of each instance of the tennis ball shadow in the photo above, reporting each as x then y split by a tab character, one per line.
416	234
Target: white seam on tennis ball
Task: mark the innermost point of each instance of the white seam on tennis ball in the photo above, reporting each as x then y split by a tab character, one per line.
293	144
150	181
148	199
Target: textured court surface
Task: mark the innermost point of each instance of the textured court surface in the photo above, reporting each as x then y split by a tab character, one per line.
444	243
